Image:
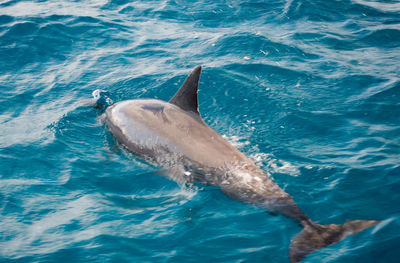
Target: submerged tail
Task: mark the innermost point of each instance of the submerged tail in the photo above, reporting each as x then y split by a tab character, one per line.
316	236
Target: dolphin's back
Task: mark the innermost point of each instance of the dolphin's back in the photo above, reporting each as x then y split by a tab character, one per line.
148	127
169	136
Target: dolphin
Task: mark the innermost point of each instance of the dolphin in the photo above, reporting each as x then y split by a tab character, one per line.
172	135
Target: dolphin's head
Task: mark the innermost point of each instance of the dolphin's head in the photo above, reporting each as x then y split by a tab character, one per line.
101	99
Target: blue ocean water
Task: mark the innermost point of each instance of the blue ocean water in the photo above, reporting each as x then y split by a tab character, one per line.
310	90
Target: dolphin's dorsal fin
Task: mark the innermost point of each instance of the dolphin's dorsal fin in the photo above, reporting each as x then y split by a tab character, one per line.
186	97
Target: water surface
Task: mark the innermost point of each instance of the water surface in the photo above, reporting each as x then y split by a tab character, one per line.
310	90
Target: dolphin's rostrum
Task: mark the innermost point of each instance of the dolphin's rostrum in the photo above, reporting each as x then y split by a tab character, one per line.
174	136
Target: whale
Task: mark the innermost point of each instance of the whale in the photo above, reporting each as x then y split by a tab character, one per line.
173	136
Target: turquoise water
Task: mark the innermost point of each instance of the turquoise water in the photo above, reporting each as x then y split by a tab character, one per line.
310	90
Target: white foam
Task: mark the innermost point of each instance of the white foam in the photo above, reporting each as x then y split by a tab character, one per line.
275	165
236	141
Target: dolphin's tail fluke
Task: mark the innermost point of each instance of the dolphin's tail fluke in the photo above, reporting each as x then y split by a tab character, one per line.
316	236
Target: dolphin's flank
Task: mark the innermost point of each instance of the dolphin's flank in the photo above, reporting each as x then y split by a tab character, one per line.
173	136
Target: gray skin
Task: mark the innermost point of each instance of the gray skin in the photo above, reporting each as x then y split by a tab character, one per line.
173	136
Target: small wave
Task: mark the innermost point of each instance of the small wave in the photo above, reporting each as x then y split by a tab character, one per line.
383	7
386	37
45	232
25	9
